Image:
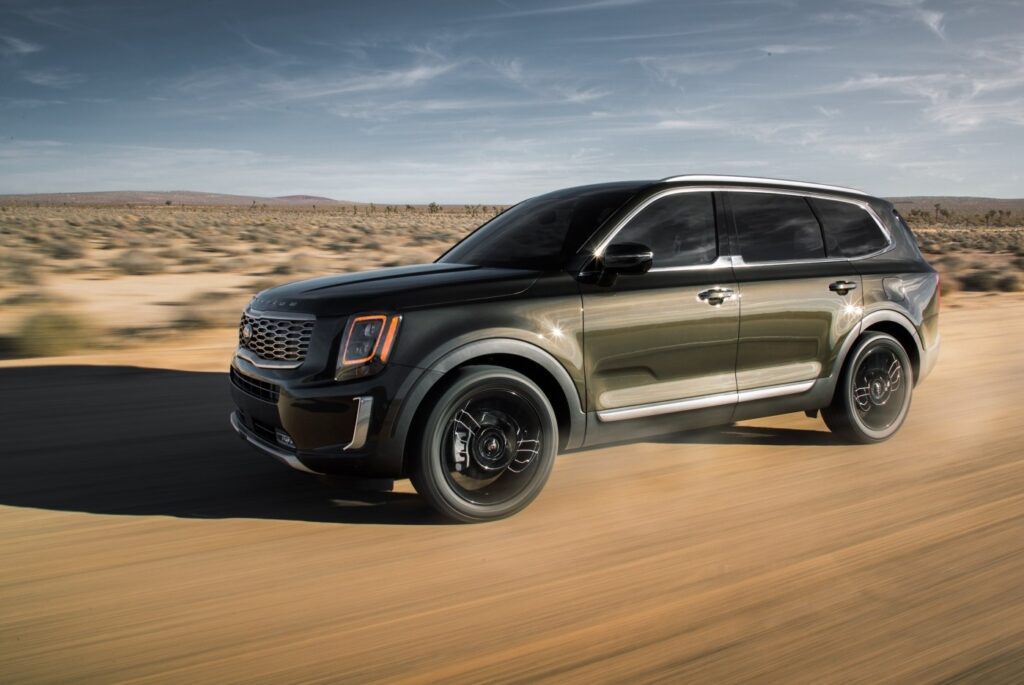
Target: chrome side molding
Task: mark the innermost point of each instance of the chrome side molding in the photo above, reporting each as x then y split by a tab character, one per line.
703	402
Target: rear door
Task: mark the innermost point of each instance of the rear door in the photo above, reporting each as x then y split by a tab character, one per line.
797	304
665	341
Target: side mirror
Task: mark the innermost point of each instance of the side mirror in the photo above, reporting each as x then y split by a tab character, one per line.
627	258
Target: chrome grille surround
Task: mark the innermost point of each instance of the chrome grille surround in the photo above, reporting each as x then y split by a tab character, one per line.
281	339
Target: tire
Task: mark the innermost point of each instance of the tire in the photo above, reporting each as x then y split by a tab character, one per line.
486	446
872	397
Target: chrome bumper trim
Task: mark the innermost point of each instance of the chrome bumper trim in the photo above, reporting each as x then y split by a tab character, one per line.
263	446
362	425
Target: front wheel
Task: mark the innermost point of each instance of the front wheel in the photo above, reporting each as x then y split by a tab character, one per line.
872	397
487	446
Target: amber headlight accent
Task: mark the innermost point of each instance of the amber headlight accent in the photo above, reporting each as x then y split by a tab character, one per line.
366	345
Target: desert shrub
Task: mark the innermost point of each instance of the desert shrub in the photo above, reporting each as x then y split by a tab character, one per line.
19	268
50	334
64	249
296	264
1019	262
138	263
984	281
194	319
1009	283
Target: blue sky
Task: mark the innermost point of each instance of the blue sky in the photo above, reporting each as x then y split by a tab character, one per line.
492	101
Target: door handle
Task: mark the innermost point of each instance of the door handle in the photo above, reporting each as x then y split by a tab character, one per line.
715	296
842	287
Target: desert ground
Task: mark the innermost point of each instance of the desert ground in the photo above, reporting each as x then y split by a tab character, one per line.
143	542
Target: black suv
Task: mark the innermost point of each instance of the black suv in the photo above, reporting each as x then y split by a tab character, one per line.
589	315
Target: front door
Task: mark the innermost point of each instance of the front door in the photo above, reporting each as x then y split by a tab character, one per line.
663	342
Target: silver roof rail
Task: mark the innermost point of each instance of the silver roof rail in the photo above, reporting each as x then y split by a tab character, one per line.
711	178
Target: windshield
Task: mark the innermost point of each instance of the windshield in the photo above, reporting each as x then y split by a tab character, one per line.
543	232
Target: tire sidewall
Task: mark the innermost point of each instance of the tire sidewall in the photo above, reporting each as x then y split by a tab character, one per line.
467	382
863	348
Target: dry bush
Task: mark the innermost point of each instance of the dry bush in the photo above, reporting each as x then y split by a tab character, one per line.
1009	283
50	334
138	263
19	268
979	281
65	249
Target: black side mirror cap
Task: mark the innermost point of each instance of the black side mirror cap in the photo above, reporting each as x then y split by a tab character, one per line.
627	258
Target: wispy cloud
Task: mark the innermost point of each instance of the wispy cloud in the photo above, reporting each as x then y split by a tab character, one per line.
793	49
933	20
574	7
11	45
52	78
304	88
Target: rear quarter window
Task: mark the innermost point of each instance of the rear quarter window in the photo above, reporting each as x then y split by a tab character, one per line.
774	227
849	230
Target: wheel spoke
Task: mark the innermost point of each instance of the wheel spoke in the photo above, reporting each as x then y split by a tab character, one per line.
493	440
878	393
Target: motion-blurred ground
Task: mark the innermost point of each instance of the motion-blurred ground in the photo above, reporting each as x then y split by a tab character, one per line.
142	542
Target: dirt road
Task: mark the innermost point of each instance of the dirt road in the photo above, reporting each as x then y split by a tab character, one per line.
142	542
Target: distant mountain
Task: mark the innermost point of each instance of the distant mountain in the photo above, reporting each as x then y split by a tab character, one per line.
175	197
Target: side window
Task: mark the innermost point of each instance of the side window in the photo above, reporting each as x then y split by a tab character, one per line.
774	227
849	230
679	229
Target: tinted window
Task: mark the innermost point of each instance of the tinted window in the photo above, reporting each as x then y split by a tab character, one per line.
542	232
775	227
680	229
849	230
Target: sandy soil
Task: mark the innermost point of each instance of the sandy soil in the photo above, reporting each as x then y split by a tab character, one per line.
143	543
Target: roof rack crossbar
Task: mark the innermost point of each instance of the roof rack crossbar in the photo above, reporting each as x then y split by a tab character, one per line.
711	178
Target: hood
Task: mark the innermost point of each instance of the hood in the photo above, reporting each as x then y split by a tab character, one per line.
395	289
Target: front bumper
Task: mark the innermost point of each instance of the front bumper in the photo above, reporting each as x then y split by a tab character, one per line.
284	456
313	426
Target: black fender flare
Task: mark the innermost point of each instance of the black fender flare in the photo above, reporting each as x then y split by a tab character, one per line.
866	322
411	394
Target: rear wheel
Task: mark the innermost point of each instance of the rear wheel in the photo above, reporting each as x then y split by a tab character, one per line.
872	397
487	445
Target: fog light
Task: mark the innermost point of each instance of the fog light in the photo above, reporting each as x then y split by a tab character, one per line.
284	439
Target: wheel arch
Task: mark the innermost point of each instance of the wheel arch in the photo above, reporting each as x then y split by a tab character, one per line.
900	327
533	362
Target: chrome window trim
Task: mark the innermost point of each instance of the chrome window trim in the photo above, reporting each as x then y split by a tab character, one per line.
716	178
361	427
284	316
638	411
737	260
722	262
250	356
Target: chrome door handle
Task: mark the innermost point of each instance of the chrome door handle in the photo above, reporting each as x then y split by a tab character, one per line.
842	287
715	296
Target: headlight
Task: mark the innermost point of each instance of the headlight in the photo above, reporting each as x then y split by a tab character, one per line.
366	345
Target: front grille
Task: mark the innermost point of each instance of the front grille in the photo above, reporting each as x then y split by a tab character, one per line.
283	340
261	390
